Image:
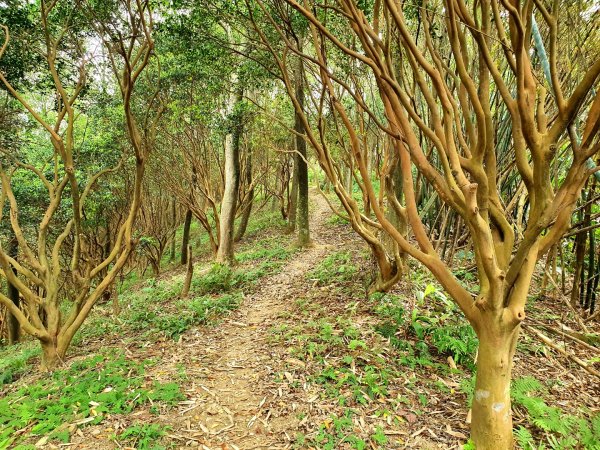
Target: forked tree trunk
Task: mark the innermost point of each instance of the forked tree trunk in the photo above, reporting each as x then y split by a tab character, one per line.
232	184
185	240
491	420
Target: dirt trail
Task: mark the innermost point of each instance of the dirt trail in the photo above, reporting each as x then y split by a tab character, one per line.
235	400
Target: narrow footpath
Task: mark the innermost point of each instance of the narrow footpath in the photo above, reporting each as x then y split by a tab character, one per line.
236	399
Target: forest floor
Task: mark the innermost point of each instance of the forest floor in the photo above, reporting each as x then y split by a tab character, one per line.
294	355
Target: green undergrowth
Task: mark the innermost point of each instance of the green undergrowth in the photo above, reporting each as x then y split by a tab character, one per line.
549	427
185	313
143	436
424	329
339	432
335	220
336	269
264	220
433	328
358	375
97	387
352	374
86	393
14	360
152	307
155	308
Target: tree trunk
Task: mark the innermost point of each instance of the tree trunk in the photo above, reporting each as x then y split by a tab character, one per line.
185	240
51	356
293	200
393	188
245	218
301	158
115	300
388	273
248	206
174	218
349	179
232	184
491	426
188	274
155	264
13	324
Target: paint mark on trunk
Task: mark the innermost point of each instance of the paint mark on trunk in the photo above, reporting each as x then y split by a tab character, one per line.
497	407
481	395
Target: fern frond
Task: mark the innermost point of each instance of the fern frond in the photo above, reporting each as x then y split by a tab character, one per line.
524	438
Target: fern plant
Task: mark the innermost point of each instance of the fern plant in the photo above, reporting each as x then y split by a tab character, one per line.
458	340
562	431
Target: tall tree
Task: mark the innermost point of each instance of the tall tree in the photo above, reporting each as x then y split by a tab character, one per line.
301	162
232	178
43	266
465	78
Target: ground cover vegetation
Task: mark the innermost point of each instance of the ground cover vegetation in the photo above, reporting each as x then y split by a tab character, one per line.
378	219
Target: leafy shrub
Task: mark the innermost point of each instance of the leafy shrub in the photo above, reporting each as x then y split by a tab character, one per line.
442	331
459	341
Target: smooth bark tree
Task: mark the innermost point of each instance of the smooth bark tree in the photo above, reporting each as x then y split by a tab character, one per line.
293	193
45	264
225	253
476	66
